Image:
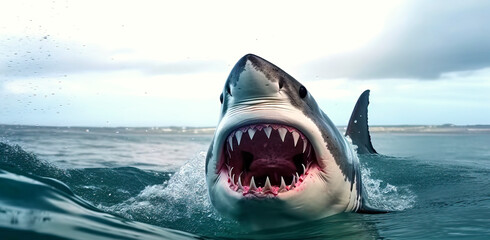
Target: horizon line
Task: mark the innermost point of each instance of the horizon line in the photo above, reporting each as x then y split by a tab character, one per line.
447	125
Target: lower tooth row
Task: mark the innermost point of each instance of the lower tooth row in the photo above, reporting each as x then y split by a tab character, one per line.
268	188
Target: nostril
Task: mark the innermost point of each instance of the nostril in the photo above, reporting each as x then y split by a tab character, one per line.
281	82
228	90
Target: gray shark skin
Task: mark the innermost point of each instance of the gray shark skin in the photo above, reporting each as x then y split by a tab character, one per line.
276	159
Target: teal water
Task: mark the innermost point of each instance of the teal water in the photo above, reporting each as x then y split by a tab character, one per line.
137	183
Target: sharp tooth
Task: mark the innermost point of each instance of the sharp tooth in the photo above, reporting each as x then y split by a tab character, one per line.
238	135
268	131
233	179
267	185
295	137
304	168
230	141
252	185
304	145
282	188
292	183
251	133
297	176
282	133
239	183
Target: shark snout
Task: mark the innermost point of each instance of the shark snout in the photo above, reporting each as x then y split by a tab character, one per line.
253	77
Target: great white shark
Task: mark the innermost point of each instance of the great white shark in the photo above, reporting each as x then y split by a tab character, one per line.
276	158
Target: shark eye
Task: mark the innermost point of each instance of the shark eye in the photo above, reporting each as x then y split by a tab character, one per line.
221	98
302	92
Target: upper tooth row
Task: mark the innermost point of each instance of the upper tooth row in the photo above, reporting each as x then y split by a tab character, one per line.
268	130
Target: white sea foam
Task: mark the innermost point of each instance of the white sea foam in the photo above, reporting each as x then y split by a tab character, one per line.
181	202
383	195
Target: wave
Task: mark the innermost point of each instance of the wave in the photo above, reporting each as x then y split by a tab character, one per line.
34	210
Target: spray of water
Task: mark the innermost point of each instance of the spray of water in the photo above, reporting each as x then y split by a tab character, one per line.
383	195
181	202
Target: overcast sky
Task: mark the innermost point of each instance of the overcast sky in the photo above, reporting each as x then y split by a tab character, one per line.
160	63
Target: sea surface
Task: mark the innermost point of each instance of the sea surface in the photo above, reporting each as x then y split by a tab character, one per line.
148	183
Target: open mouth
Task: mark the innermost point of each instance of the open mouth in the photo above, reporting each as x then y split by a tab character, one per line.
266	159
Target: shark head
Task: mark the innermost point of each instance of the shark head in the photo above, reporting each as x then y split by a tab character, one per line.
276	159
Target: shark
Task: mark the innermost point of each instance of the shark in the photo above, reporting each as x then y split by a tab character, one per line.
276	158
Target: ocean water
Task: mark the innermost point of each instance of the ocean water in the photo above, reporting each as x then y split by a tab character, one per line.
148	183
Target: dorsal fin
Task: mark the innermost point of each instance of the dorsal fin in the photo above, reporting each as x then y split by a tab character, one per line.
358	129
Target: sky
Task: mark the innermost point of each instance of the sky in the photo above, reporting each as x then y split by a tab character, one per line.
164	63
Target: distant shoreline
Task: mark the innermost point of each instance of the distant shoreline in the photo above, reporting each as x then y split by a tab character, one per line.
446	128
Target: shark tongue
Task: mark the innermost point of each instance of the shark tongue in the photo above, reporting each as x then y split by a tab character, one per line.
272	168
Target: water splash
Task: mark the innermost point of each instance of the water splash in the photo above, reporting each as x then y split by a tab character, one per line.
383	195
181	202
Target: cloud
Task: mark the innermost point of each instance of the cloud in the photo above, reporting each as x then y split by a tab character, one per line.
178	86
25	57
423	41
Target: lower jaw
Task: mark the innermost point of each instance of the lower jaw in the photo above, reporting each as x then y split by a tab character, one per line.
258	212
298	184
